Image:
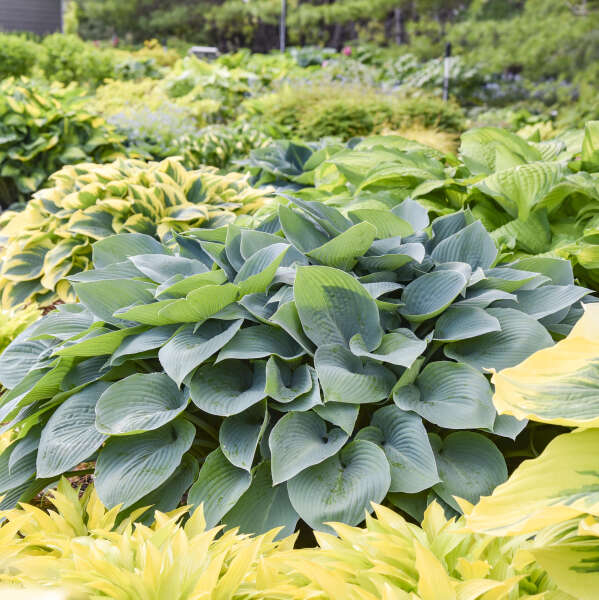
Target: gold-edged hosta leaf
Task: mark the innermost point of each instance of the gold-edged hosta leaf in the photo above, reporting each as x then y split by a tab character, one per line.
562	483
559	384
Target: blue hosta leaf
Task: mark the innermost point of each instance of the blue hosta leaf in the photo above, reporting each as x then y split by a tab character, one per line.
340	414
393	258
414	213
300	440
557	269
464	322
549	299
429	295
260	341
229	387
397	348
104	298
130	467
138	403
188	348
451	395
70	436
263	507
218	487
118	248
304	402
288	318
160	268
240	434
151	339
302	232
18	358
342	487
507	279
472	245
346	378
470	466
333	307
405	442
167	496
14	474
520	336
283	384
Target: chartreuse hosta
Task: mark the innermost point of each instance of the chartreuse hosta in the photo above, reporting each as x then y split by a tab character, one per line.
52	237
535	197
83	550
298	366
555	496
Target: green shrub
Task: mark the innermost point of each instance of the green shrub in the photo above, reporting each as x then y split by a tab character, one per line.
17	55
51	238
308	354
42	128
68	58
346	111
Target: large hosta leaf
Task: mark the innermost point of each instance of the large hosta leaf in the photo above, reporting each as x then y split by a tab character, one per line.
333	307
429	295
464	322
451	395
260	341
519	189
560	484
536	388
130	467
342	487
470	466
342	252
218	487
240	434
405	442
263	506
400	348
472	245
70	436
190	347
139	403
300	440
229	387
520	336
345	378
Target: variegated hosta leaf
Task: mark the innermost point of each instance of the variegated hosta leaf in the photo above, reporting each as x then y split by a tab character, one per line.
95	202
538	388
560	484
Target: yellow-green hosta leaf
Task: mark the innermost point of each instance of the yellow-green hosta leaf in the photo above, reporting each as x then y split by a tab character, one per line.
562	483
558	385
572	566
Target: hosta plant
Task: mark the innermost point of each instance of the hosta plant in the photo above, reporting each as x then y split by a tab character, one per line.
308	367
51	238
554	496
79	547
43	128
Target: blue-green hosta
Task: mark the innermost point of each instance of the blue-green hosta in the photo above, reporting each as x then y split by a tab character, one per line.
300	370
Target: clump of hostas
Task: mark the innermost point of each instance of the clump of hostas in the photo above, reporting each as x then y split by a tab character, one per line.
300	370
